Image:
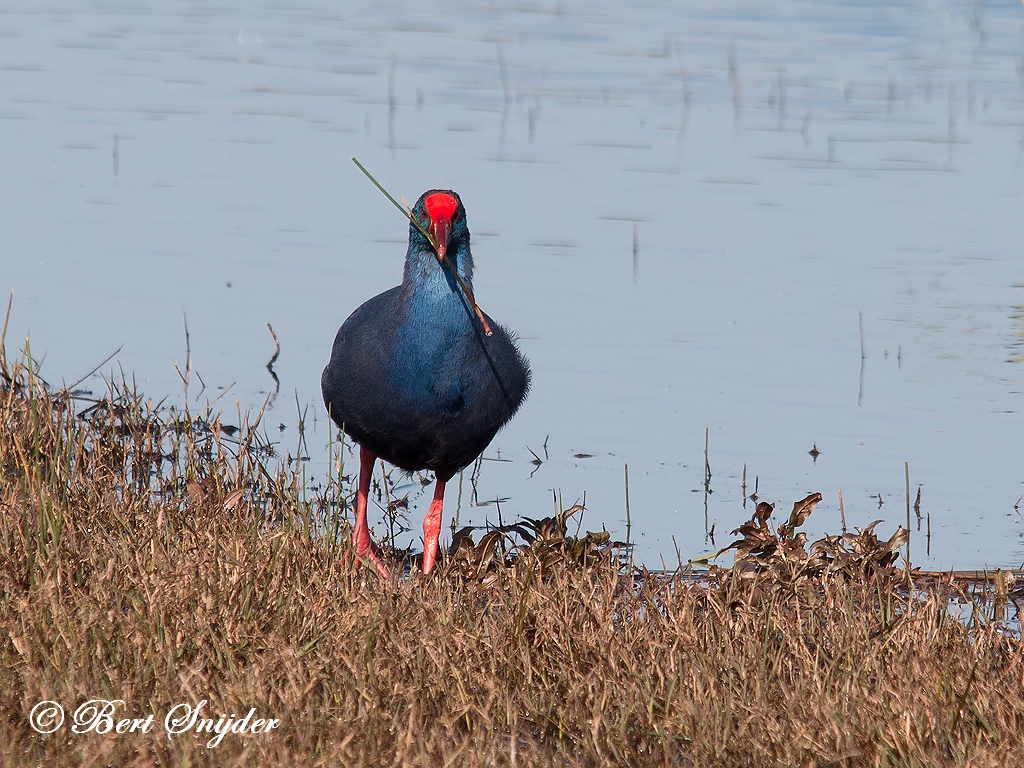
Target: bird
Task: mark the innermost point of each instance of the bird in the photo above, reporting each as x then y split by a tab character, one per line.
418	376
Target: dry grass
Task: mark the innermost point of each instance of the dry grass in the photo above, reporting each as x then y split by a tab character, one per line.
147	557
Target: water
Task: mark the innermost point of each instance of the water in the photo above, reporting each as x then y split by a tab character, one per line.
688	213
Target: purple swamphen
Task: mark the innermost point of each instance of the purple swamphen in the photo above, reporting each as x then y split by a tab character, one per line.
416	377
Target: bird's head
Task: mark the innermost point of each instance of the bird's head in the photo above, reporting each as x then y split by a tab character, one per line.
440	212
444	260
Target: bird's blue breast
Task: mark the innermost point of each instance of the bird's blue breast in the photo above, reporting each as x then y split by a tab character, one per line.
431	347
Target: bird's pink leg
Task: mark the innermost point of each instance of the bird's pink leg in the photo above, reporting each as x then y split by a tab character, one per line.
361	541
432	528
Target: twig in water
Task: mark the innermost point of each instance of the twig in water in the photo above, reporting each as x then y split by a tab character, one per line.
707	464
906	472
928	537
863	354
629	523
273	359
277	347
186	377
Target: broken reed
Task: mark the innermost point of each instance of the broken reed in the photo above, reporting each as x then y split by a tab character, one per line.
146	555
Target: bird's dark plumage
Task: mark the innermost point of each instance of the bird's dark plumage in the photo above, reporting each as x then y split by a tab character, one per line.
413	377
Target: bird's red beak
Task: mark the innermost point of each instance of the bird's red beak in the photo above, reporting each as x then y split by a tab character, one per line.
441	228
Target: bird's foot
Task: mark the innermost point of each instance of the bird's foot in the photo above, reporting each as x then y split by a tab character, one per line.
367	550
432	528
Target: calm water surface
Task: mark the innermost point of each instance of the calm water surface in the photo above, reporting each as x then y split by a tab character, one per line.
688	211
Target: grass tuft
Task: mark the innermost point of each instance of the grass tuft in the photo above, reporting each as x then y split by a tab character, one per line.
149	556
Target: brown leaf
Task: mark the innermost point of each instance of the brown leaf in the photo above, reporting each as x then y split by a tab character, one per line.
897	540
801	511
233	498
763	511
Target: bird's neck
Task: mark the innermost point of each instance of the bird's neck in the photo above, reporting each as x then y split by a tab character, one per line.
436	320
436	316
428	281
